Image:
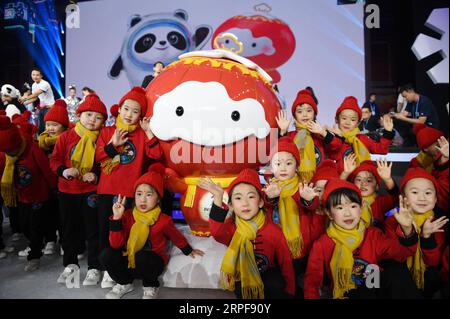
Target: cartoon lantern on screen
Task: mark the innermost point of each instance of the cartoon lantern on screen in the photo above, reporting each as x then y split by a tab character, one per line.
267	41
212	112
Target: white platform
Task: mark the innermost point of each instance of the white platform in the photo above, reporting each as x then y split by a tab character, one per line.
199	272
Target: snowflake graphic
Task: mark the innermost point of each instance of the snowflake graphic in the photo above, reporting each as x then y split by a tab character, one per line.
425	46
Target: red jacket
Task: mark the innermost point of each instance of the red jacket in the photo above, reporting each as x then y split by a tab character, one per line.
375	247
322	146
160	232
382	204
33	177
312	225
432	248
444	270
270	246
134	160
381	147
60	160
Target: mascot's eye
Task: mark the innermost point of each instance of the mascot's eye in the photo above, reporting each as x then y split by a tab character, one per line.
177	40
144	43
179	111
235	116
227	41
253	45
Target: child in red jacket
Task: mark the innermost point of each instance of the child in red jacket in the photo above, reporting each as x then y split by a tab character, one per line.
418	188
368	177
290	198
56	122
348	116
348	247
138	238
311	138
433	157
257	263
123	151
73	161
28	178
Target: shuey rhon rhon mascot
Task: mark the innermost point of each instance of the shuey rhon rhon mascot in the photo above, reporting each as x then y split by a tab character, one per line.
213	112
156	37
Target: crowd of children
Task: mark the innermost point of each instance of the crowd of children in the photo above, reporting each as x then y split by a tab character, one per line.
320	227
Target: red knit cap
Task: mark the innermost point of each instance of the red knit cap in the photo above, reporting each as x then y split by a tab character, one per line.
286	144
114	110
367	166
325	171
304	96
425	135
417	172
154	177
349	103
21	121
9	135
334	184
137	94
92	103
58	113
247	176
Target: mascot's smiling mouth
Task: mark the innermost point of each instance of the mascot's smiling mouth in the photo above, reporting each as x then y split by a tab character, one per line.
161	49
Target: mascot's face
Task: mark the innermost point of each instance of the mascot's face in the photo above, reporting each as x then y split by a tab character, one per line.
153	38
212	114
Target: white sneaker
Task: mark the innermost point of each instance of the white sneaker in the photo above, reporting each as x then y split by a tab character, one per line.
25	252
150	292
2	254
119	290
107	281
68	271
16	237
92	277
8	249
49	248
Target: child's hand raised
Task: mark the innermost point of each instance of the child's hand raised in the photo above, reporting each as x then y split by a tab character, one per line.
196	252
119	137
405	216
384	169
145	125
119	207
316	127
283	122
307	192
388	123
443	147
430	227
215	189
349	166
272	190
70	173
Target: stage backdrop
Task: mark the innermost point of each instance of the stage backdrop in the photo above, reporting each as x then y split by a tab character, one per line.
322	45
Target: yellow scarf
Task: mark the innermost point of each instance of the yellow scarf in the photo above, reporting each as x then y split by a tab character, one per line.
109	164
366	208
426	161
290	216
239	259
305	145
416	265
84	153
139	232
8	189
342	260
360	150
46	142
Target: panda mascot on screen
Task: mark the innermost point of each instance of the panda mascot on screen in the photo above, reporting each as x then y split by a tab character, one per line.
156	37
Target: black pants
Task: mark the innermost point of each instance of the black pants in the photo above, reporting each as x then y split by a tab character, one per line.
105	203
41	122
79	223
14	219
52	223
274	285
299	269
32	218
149	266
